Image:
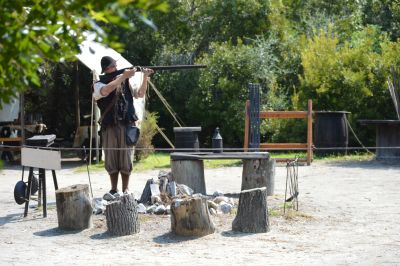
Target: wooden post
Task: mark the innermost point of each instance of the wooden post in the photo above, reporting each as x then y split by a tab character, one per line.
190	217
259	173
309	133
122	216
74	208
246	126
190	173
252	214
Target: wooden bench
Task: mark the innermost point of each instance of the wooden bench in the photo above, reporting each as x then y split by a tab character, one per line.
258	169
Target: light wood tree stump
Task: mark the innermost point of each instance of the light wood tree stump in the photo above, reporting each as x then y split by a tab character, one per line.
190	217
259	173
252	214
190	173
74	207
122	216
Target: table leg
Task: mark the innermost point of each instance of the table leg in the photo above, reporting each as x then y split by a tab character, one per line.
28	191
42	174
54	179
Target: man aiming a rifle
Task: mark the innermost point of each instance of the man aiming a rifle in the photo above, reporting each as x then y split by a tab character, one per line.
115	100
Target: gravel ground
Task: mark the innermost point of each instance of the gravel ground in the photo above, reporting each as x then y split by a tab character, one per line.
348	215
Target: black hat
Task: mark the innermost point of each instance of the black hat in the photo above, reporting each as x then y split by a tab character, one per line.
106	61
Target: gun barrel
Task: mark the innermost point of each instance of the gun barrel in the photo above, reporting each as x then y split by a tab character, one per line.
172	67
110	76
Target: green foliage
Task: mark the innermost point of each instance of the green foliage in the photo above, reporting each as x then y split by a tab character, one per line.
148	129
35	31
223	91
383	13
349	75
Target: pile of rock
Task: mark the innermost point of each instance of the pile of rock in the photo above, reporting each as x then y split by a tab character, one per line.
159	193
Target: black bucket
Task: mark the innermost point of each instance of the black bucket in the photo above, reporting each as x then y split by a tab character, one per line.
187	138
331	131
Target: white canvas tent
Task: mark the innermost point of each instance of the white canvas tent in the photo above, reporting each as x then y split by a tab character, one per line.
90	56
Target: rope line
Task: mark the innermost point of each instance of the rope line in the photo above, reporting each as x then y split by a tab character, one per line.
166	104
198	149
359	141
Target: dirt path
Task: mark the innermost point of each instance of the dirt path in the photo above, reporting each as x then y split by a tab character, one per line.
349	214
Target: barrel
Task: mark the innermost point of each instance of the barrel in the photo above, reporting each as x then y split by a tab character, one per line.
330	131
187	138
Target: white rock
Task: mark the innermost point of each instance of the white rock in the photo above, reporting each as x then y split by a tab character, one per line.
141	208
225	207
218	193
171	188
160	209
212	204
219	199
177	202
213	211
151	209
155	190
185	189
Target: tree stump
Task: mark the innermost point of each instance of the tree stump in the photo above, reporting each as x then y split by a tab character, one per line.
190	173
74	207
252	214
259	173
122	216
191	217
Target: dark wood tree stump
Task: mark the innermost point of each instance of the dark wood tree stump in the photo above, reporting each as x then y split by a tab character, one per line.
259	173
122	216
74	207
252	214
190	173
190	217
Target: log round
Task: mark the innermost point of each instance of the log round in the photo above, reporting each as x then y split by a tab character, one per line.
190	173
252	213
74	207
259	173
122	216
191	217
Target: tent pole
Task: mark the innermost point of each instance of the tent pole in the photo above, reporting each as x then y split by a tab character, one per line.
77	106
22	116
91	133
96	136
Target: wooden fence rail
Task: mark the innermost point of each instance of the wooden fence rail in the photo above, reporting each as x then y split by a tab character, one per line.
283	115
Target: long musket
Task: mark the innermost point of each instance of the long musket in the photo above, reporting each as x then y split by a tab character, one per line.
110	76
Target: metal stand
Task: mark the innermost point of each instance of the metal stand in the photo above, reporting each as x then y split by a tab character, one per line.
42	189
292	185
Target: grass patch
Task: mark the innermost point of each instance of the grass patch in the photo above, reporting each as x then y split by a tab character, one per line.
160	160
355	156
153	161
221	163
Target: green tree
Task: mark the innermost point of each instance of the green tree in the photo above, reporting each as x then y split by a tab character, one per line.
383	13
349	75
220	100
33	31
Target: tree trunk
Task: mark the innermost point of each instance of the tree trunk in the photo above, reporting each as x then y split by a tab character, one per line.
189	173
190	217
122	216
74	208
259	173
252	214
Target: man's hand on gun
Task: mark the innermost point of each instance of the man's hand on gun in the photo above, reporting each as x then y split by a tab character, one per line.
129	72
